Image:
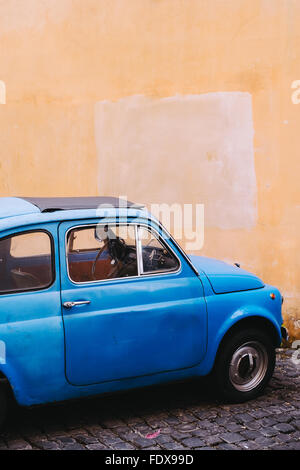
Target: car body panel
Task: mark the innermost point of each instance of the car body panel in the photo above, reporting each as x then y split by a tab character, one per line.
226	310
12	207
224	277
32	329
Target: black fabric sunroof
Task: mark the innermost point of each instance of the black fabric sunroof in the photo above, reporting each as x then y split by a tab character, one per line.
52	204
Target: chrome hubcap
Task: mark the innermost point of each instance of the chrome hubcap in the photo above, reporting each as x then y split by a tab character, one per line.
248	366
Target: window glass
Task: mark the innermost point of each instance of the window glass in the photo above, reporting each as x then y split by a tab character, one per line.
25	262
156	256
101	252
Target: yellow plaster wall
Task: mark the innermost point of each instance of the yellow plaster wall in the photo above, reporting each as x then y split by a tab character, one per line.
60	58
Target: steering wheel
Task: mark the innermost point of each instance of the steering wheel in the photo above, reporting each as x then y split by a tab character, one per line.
111	246
156	258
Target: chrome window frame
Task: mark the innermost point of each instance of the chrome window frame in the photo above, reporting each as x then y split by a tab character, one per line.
140	274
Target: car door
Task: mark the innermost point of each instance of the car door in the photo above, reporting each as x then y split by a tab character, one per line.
129	308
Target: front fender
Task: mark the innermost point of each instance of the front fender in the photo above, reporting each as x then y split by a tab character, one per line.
242	314
227	310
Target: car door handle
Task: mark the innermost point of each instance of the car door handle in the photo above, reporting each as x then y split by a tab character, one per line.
74	304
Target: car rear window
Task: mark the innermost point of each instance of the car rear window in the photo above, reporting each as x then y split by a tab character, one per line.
26	262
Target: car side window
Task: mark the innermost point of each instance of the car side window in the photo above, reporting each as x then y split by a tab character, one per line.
26	262
101	252
156	255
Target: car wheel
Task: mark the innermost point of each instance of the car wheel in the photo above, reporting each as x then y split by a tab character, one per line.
3	405
244	365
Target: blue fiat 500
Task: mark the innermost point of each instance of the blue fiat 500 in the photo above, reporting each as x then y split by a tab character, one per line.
96	296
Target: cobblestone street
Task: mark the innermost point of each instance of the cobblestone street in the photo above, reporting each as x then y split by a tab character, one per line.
186	416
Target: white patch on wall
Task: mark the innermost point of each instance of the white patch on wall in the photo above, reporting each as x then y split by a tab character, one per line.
32	14
181	149
2	92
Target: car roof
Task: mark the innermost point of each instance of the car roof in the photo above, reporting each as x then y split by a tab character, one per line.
52	204
20	212
14	206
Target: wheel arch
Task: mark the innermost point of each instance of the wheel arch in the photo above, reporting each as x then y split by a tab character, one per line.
4	381
253	321
12	381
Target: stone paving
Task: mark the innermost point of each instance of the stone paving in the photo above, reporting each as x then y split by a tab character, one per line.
185	414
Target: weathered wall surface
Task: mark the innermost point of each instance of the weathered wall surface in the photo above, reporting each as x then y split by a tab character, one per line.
196	93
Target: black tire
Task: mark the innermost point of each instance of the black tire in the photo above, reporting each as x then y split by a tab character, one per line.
3	405
244	365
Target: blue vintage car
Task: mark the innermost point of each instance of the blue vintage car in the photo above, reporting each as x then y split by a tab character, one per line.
97	297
